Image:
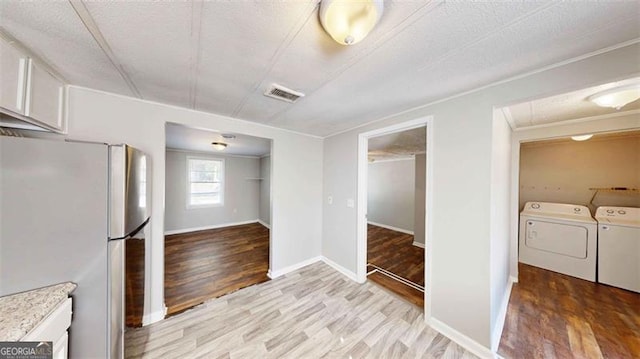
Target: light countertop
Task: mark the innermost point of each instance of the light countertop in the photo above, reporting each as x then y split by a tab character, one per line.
21	312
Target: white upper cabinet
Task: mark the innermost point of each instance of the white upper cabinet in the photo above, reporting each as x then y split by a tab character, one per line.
45	97
30	94
13	70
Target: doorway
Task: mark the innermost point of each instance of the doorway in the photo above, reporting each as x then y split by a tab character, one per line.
574	166
217	214
393	208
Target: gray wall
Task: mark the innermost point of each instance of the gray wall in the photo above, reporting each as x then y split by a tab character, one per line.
390	193
265	190
463	289
420	198
241	196
564	171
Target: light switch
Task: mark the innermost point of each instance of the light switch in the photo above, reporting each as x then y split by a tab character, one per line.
330	200
350	203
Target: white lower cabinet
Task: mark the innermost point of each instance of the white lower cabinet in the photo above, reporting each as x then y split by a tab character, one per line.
54	328
61	347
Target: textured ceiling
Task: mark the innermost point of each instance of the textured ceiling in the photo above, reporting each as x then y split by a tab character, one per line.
569	106
219	56
398	145
191	139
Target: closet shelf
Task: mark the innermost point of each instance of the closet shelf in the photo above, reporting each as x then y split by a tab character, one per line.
611	189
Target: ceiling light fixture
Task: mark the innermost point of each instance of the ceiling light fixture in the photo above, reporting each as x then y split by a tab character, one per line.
350	21
581	137
616	97
219	146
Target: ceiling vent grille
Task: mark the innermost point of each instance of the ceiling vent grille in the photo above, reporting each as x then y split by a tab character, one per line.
282	93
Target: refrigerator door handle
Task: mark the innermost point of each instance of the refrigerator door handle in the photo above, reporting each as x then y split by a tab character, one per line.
133	233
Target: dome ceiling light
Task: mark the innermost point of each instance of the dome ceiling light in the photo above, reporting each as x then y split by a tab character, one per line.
581	137
220	146
616	97
350	21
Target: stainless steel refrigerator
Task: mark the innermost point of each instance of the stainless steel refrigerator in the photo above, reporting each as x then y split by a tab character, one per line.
67	210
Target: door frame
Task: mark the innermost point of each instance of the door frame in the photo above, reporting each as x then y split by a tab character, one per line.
361	230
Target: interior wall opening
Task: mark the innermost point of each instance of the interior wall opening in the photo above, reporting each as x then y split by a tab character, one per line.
576	207
217	214
396	176
394	186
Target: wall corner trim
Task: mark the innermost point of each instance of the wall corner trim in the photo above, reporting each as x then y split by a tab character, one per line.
496	333
280	272
418	244
462	340
264	224
195	229
347	273
154	317
401	230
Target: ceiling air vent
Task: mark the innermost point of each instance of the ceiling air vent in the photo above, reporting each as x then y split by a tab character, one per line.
282	93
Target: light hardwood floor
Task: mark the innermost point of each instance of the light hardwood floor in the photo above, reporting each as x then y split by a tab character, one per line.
314	312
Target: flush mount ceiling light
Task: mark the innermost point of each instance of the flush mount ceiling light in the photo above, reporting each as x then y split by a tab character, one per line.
219	145
581	137
350	21
617	97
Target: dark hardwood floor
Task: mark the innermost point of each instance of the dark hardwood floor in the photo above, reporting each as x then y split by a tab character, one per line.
552	315
134	283
207	264
394	251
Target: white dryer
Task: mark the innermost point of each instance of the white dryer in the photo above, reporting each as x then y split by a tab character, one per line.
619	247
559	237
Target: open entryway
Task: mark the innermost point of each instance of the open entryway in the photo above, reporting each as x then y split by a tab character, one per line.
217	214
393	194
576	226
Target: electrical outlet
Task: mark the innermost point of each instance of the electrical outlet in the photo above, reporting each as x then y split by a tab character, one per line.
350	203
330	200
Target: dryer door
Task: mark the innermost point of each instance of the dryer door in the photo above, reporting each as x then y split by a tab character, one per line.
560	238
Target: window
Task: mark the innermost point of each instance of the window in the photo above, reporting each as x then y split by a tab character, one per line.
205	185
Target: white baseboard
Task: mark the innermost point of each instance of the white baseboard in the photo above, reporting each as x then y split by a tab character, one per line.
195	229
513	279
391	228
502	316
153	317
418	244
264	224
280	272
347	273
462	340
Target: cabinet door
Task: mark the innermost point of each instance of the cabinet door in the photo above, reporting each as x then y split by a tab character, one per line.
12	78
45	95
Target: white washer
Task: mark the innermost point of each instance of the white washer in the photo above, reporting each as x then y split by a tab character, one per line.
559	237
619	247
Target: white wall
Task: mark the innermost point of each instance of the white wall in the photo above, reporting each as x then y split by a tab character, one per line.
265	190
420	193
390	187
564	171
499	242
460	301
241	193
296	173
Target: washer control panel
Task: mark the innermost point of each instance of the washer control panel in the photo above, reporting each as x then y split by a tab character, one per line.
618	214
